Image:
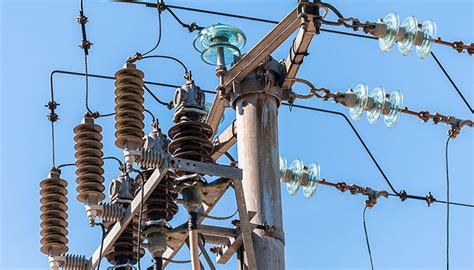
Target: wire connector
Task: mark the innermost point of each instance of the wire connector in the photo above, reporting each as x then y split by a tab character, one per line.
52	106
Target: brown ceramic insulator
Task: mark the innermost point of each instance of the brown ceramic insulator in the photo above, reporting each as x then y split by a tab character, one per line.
89	161
125	248
162	202
53	215
129	107
191	140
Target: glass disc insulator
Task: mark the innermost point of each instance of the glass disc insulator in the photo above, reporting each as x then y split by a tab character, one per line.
396	103
378	96
410	25
219	38
282	168
392	22
297	169
361	90
429	34
313	180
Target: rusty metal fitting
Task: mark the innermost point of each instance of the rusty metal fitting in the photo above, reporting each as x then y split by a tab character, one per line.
82	19
52	116
85	44
215	250
430	199
236	223
454	132
342	186
403	195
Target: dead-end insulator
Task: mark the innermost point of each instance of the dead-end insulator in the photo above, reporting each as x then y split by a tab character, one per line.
129	111
53	215
89	163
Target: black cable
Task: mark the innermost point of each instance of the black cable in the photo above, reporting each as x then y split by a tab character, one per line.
355	132
447	202
333	9
159	30
101	244
151	114
367	238
116	159
423	198
451	81
87	83
66	165
168	105
229	156
167	57
222	14
219	218
347	33
185	25
53	147
142	184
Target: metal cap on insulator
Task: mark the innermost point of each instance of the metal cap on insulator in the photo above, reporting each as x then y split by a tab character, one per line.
122	189
129	111
155	148
53	215
189	99
89	161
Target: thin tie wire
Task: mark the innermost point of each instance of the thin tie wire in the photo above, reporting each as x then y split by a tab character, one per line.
53	148
367	239
159	30
447	201
101	244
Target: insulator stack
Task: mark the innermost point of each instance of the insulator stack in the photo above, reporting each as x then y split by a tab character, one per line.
53	215
162	202
129	110
89	162
191	140
150	158
111	212
74	262
125	248
190	135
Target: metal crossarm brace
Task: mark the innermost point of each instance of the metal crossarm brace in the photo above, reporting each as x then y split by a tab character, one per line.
251	60
130	212
170	253
224	141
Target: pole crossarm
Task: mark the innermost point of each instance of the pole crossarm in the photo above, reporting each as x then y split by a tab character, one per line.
130	212
224	141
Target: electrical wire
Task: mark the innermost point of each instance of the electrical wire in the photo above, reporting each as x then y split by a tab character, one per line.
451	81
66	165
190	27
367	238
214	92
53	147
447	201
159	30
116	159
219	218
355	132
86	70
101	244
168	105
167	57
151	114
142	184
229	156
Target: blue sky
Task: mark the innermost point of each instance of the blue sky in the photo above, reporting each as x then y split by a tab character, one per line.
323	233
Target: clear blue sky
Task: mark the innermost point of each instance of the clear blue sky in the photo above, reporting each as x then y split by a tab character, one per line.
323	233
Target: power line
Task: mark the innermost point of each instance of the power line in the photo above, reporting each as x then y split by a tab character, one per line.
452	82
367	239
447	202
322	30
